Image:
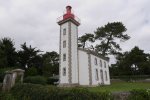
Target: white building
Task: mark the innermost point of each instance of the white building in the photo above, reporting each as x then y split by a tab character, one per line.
78	66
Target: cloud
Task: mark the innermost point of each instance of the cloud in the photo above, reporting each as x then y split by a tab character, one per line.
34	21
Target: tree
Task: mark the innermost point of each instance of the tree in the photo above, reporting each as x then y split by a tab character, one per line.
50	63
107	35
135	62
29	57
8	55
84	38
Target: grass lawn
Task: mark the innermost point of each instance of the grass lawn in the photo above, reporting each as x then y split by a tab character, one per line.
121	86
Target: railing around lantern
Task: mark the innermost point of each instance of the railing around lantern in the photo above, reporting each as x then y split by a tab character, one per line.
61	18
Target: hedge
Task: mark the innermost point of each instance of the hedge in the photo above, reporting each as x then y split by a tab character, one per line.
40	92
139	94
35	80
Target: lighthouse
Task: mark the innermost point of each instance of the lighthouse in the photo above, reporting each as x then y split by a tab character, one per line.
68	67
78	66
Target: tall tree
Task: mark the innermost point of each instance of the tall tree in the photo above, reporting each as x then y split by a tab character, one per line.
134	62
107	36
8	55
50	63
84	38
29	57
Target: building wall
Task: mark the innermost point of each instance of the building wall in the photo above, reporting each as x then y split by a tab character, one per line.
63	79
74	53
70	50
83	68
99	68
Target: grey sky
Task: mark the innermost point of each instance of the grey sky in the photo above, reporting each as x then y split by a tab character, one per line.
34	21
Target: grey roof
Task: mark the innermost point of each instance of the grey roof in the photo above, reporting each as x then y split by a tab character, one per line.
94	53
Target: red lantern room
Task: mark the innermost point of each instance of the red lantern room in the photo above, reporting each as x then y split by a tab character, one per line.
68	16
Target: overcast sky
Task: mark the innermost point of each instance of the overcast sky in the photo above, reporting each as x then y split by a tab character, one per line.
34	21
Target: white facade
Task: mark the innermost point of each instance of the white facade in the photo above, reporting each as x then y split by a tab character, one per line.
79	66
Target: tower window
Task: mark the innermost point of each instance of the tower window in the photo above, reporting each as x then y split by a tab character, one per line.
64	44
95	61
64	71
64	57
64	31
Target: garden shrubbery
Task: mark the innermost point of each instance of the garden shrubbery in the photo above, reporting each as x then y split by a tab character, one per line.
40	92
139	94
35	80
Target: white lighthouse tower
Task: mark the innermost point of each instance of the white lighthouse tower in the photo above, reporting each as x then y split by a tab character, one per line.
68	69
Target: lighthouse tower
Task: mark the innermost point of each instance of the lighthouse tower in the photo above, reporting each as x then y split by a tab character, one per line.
68	68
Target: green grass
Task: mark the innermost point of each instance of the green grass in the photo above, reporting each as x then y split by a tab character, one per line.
121	86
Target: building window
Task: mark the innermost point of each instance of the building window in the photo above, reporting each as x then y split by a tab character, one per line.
95	61
64	57
64	71
64	44
106	76
96	74
64	31
100	63
105	64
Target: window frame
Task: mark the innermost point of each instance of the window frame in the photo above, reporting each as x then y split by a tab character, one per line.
64	31
64	57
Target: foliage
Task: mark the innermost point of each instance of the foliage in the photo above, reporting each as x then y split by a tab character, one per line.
50	63
6	96
25	92
51	81
8	55
134	62
140	94
84	38
28	57
35	80
107	35
32	71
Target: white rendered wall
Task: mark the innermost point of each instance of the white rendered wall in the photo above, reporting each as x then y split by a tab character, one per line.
83	68
74	53
71	53
98	67
64	79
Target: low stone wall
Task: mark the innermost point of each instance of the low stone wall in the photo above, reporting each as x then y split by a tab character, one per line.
120	95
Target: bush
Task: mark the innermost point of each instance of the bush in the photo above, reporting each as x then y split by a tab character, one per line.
40	92
139	94
6	96
35	80
51	81
31	72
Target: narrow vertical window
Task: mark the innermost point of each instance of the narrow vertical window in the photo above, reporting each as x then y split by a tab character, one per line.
106	76
64	57
96	74
64	31
64	71
95	61
64	44
105	64
100	63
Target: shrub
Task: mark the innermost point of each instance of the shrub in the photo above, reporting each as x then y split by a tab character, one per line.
51	81
40	92
31	72
6	96
139	94
35	80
